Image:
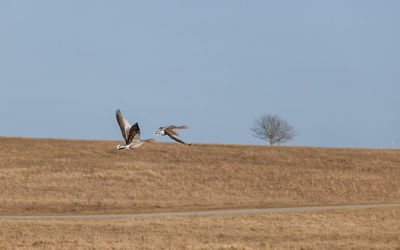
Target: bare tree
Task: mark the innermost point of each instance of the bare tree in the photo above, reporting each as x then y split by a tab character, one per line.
273	129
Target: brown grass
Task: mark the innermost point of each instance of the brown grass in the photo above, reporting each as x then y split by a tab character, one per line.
80	176
377	228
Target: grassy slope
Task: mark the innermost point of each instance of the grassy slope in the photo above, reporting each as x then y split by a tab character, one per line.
81	176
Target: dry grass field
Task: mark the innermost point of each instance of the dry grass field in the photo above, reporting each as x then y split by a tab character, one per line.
377	228
53	176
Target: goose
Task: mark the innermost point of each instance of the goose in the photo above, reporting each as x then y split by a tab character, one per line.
171	132
130	133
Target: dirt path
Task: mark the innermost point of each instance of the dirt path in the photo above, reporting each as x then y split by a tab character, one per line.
195	213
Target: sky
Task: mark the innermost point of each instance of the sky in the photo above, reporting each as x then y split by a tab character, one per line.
331	69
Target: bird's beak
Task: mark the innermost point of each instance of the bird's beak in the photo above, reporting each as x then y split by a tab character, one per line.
186	127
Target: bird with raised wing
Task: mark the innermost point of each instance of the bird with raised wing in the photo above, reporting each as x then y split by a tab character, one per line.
130	133
171	132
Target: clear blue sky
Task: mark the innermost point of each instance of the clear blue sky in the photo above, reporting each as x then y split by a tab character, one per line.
330	68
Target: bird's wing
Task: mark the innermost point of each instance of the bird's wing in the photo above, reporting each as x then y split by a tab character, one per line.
124	125
174	135
159	131
134	134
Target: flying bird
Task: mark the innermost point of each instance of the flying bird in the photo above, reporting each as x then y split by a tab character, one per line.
171	132
130	133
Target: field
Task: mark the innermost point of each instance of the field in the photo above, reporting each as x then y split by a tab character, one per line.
49	176
54	176
377	228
